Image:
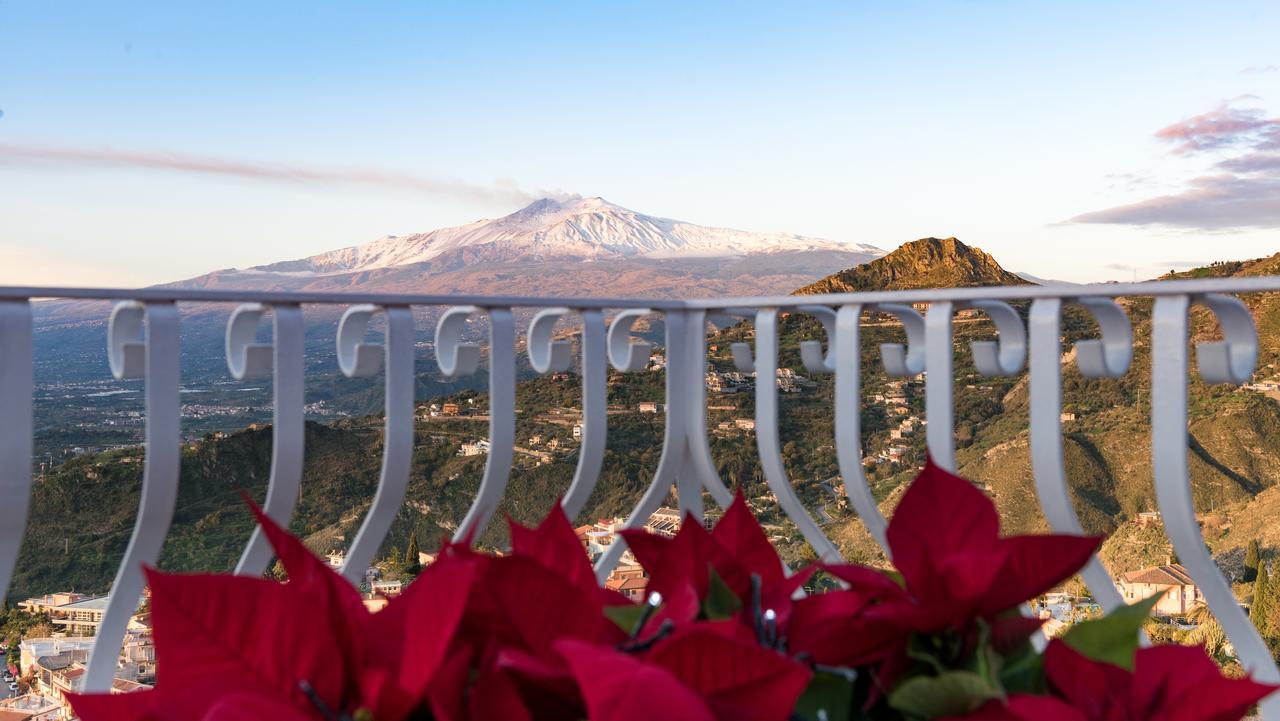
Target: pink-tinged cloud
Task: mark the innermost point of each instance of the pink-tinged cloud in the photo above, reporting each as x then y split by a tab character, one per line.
1223	126
1213	202
502	192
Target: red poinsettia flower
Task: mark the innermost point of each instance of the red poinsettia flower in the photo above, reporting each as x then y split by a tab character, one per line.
1168	683
230	645
945	541
737	550
955	569
544	591
703	672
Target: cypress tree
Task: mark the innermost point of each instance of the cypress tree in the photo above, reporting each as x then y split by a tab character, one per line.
1251	557
411	554
1263	609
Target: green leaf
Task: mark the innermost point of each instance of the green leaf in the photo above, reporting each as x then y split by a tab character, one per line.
721	602
950	694
828	697
1114	637
1023	672
625	616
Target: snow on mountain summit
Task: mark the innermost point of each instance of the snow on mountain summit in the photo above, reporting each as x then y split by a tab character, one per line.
563	228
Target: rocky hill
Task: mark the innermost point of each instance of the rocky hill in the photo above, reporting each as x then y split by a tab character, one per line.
924	263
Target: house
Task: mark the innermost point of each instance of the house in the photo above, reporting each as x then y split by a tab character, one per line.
46	604
449	409
649	407
478	448
80	618
745	424
1147	519
1171	582
634	588
388	588
29	707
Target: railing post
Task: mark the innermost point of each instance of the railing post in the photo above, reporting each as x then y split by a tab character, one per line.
16	387
768	438
1169	448
155	357
700	465
939	408
1046	440
595	402
502	420
358	358
848	421
625	356
287	429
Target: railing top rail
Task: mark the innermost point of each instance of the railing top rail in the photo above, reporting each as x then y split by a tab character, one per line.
1010	292
1193	286
308	297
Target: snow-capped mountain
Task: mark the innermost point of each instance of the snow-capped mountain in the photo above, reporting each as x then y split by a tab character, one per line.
573	228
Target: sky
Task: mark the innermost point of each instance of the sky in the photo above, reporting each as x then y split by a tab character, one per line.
1087	141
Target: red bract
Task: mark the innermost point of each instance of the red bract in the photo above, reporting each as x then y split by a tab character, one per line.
1169	683
704	672
945	542
297	645
544	591
737	548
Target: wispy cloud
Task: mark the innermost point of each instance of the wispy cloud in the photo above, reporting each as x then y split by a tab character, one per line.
502	192
1224	126
1260	69
1241	190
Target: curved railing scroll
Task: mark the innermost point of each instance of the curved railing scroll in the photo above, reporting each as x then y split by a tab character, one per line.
1230	360
142	343
457	358
547	355
358	358
283	359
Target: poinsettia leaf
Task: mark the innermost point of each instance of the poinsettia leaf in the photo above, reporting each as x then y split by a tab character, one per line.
626	617
251	706
1036	564
947	694
410	636
1024	708
1023	672
542	605
828	697
739	534
555	545
618	687
1112	638
756	683
494	696
721	602
940	514
113	706
1182	683
210	627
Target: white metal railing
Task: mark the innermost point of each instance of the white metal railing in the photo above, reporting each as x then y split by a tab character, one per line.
143	343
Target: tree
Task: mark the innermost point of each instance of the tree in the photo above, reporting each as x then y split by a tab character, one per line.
1251	558
1262	611
411	554
412	566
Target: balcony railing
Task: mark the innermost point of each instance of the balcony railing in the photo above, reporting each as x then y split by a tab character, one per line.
144	343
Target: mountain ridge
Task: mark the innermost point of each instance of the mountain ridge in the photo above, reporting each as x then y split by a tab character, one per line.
580	228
